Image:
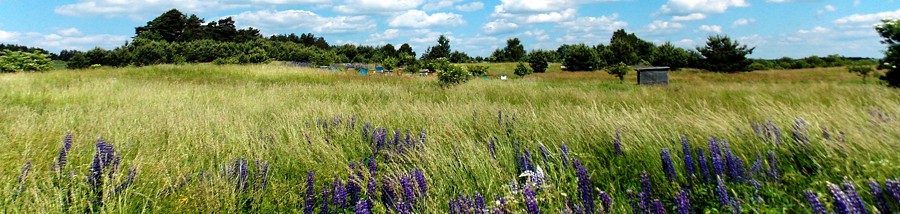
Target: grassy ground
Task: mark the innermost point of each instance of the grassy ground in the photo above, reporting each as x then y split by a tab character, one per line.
171	122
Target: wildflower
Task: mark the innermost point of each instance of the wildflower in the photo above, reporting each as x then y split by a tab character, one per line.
132	172
420	180
683	203
715	156
362	207
339	194
814	202
365	130
773	166
635	208
373	169
565	153
736	206
722	192
310	193
606	201
530	201
688	160
645	184
878	197
756	187
60	163
262	174
422	135
388	196
492	149
658	207
543	152
407	184
480	206
585	187
842	203
854	198
776	132
325	195
756	167
893	189
799	131
704	170
668	166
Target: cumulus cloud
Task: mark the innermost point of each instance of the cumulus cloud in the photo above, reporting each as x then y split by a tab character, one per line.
817	29
538	35
710	28
420	19
594	24
474	6
742	22
377	6
387	35
551	16
664	26
113	8
57	41
689	17
69	32
301	19
499	26
439	4
865	20
7	36
700	6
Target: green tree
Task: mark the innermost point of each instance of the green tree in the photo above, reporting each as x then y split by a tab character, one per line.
861	70
522	70
442	50
723	55
537	59
17	61
669	55
477	70
619	70
78	61
406	49
459	57
514	51
388	50
889	30
169	26
582	58
390	63
628	48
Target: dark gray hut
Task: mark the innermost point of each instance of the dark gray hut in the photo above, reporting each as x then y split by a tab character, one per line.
653	75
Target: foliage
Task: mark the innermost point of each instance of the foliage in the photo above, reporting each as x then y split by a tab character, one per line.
889	30
449	75
78	61
628	48
619	70
513	52
522	70
477	70
538	60
390	63
17	61
723	55
582	58
670	56
325	58
460	57
861	70
441	50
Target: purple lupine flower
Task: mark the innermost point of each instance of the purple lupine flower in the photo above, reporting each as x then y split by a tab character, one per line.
480	206
501	205
854	197
668	166
715	155
722	192
492	149
776	132
606	201
756	187
814	203
773	166
565	155
704	169
527	161
530	200
878	197
543	152
310	193
633	201
731	162
362	207
242	179
617	143
373	168
736	206
688	160
371	186
407	140
388	196
262	174
408	189
60	163
893	189
339	194
756	168
365	131
683	203
645	185
420	180
658	207
842	203
738	168
132	172
324	200
585	187
395	142
422	136
353	187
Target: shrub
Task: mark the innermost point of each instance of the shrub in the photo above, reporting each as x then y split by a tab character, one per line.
620	70
477	70
860	70
538	61
582	58
226	61
522	70
452	75
390	63
17	61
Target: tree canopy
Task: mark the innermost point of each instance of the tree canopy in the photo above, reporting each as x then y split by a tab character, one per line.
721	54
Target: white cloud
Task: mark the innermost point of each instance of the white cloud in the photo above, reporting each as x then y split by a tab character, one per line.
710	28
420	19
301	19
689	17
439	4
686	43
389	34
137	8
742	22
700	6
865	20
826	9
69	32
817	29
56	42
594	24
664	26
377	6
474	6
551	16
499	26
754	40
538	35
7	37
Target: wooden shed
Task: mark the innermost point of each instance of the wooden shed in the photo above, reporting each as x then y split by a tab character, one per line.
653	75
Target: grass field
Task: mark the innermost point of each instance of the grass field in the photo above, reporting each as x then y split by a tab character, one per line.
172	122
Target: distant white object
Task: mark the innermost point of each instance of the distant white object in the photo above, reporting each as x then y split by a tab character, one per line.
503	77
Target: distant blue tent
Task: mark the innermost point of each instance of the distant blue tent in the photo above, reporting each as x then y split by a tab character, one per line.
379	69
363	71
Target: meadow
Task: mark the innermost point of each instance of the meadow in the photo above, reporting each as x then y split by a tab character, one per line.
202	138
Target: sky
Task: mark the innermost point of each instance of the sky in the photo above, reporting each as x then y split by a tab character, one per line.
777	28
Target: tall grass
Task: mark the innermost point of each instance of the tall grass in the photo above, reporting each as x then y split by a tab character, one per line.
174	121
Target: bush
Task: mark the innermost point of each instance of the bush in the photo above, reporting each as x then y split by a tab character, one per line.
538	61
522	70
17	61
390	63
582	58
452	75
226	61
78	61
477	70
620	70
860	70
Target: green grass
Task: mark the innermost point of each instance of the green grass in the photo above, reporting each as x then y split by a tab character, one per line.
171	121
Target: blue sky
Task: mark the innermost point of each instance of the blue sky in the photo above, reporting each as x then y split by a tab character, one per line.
794	28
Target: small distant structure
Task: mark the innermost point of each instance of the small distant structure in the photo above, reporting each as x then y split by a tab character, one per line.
653	75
